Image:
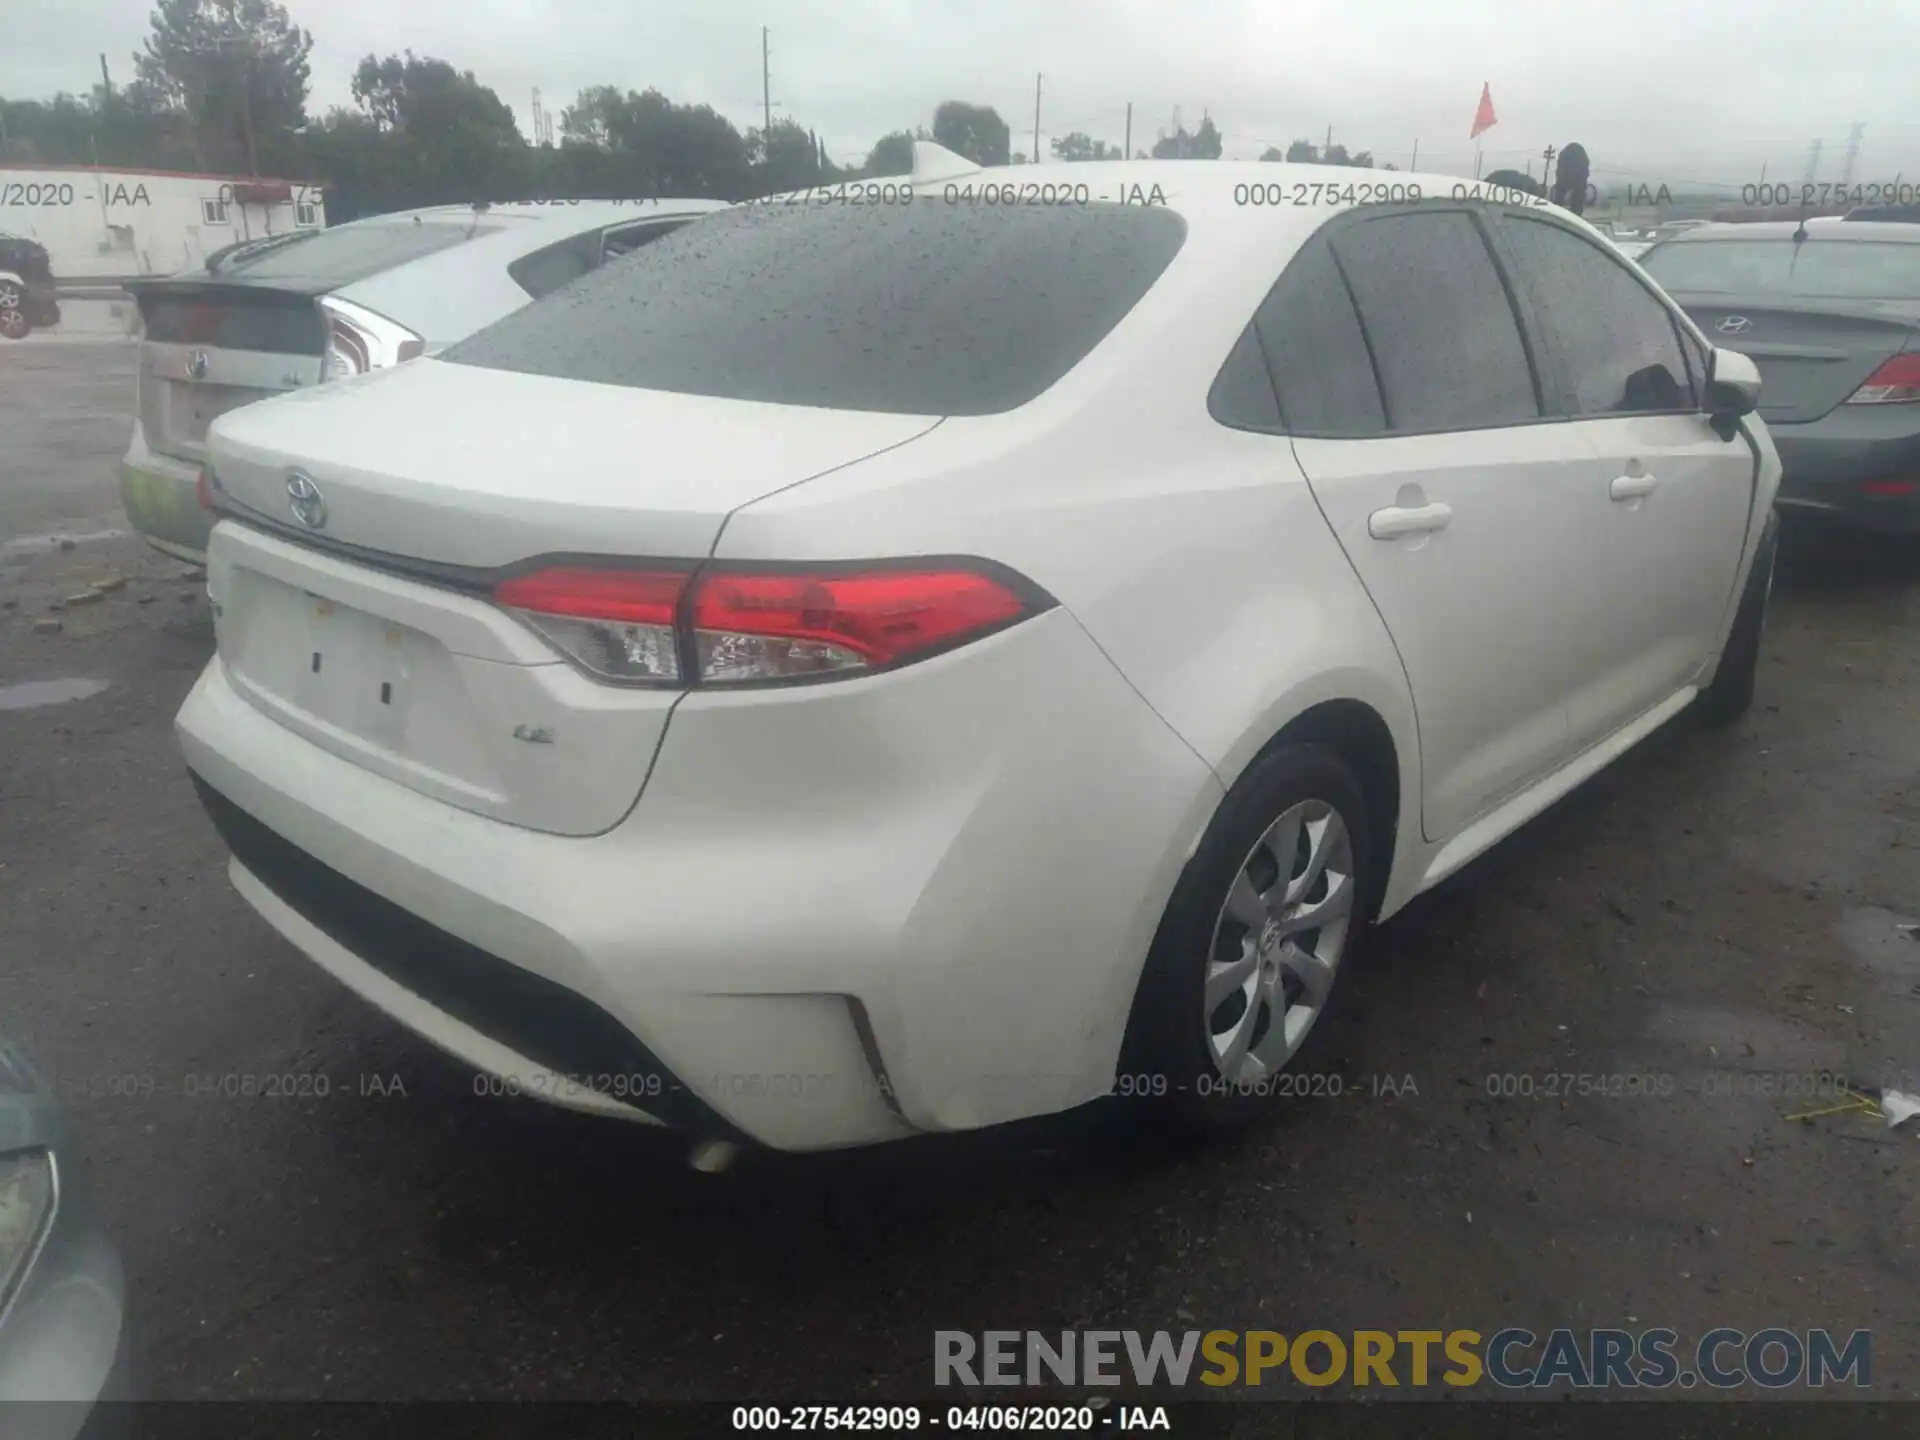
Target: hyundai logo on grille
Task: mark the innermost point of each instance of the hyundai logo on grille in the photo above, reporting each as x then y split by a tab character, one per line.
197	365
1734	324
309	505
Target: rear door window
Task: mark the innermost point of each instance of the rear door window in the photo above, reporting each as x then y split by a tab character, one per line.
1618	346
565	261
548	268
921	309
1311	337
1442	332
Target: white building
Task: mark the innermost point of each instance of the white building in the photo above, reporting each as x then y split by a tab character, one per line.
105	225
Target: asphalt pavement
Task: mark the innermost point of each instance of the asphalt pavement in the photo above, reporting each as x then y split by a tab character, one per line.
1718	909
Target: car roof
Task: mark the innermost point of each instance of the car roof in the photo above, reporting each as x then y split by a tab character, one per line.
585	213
1853	232
1205	190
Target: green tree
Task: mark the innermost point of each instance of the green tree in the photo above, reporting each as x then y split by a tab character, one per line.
657	147
785	158
237	68
428	100
975	131
1202	144
1076	146
891	155
1273	152
1303	152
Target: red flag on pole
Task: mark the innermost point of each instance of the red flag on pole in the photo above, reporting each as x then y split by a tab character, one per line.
1483	118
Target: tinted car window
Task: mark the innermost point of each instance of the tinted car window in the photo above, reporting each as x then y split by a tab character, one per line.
1815	268
924	309
352	252
1618	344
546	270
1242	394
1313	344
1438	321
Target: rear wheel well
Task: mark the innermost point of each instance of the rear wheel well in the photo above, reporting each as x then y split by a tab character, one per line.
1355	731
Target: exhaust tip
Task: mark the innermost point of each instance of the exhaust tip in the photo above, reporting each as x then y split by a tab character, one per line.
710	1157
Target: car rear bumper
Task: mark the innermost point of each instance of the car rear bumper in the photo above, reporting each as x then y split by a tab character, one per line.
162	503
1849	462
917	903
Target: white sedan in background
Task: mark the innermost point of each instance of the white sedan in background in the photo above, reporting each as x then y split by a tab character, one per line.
308	306
850	671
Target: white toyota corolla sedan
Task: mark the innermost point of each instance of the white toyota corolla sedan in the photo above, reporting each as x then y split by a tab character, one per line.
930	654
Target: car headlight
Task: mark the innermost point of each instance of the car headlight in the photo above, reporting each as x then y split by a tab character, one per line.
26	1199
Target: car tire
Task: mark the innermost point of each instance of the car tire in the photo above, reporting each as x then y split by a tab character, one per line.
1172	1067
1731	694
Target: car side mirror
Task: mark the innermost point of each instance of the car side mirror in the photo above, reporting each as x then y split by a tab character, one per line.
1733	390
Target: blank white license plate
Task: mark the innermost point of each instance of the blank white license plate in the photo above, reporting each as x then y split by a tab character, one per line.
352	670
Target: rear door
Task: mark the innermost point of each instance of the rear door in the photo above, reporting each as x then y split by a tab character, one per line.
1663	503
1417	415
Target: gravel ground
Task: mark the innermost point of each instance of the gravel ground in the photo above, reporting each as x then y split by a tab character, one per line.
1716	909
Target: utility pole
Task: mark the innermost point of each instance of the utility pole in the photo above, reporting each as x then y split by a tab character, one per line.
106	80
766	89
1327	149
1813	162
1036	119
1853	153
1126	150
1414	164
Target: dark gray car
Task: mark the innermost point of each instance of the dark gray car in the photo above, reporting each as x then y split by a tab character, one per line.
1831	315
62	1338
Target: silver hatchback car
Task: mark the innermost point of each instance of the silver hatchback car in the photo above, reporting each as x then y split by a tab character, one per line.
314	305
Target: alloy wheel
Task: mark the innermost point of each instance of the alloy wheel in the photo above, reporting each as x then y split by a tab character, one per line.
1277	942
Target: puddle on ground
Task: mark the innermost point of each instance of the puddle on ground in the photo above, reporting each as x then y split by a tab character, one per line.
35	693
33	544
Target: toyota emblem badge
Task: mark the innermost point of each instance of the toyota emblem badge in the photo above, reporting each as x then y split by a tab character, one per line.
309	505
197	365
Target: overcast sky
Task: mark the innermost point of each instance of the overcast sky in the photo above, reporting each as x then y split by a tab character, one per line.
1678	90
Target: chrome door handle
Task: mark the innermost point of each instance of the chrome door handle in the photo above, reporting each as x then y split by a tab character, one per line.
1395	520
1632	487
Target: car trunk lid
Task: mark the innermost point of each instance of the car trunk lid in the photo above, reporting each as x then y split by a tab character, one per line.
1812	354
372	634
459	465
207	349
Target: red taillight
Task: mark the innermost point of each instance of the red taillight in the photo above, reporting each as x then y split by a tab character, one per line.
640	597
203	490
1889	487
761	625
1895	383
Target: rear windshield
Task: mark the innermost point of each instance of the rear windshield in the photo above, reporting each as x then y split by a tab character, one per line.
1832	269
919	309
352	252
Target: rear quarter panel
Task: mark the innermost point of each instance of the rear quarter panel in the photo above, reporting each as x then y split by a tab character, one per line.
1194	554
